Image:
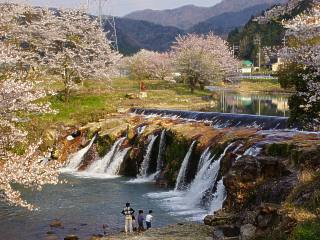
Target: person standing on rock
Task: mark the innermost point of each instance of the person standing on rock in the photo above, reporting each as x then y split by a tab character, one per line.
128	212
149	218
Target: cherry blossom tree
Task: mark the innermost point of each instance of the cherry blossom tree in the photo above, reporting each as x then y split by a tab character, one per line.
68	43
148	65
204	59
303	52
18	95
37	42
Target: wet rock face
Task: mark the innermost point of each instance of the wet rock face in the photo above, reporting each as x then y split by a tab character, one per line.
252	180
89	158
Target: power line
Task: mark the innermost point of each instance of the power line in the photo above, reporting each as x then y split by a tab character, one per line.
106	19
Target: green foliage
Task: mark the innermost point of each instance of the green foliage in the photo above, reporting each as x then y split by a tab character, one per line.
290	75
307	231
271	35
174	156
279	149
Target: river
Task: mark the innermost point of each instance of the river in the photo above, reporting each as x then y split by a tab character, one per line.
83	205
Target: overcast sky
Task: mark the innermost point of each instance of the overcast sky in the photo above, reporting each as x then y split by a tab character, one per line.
123	7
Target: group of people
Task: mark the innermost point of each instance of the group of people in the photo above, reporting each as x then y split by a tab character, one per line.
130	219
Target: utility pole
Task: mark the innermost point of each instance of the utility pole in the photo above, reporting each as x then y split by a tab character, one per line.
234	49
258	43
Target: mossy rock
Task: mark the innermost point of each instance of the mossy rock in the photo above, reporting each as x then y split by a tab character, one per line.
176	150
279	149
104	144
309	230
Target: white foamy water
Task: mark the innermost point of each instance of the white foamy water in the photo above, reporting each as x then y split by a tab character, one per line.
161	150
253	151
76	158
114	167
188	203
180	182
146	159
100	166
218	197
150	178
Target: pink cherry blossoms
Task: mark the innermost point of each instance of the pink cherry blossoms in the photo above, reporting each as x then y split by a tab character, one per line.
304	49
204	59
38	42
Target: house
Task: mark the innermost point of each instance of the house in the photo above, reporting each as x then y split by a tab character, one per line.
247	67
275	66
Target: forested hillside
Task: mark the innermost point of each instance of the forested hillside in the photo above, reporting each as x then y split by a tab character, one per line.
226	22
271	33
134	35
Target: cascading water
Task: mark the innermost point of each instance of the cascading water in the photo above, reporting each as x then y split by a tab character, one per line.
180	182
101	165
146	159
203	180
206	177
219	120
190	201
161	151
253	151
218	197
205	156
114	167
76	158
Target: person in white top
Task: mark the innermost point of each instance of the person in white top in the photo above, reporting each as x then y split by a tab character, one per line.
149	218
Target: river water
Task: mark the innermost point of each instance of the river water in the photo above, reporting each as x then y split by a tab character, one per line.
227	101
84	205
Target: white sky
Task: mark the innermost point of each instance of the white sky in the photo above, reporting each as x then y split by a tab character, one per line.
120	7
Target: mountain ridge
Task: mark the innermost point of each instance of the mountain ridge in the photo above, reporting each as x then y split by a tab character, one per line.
189	15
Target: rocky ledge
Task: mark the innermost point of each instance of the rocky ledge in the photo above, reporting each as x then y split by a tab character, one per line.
182	231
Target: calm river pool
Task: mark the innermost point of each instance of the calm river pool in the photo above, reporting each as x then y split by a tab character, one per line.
85	204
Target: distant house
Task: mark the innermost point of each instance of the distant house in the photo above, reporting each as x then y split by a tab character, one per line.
275	66
247	67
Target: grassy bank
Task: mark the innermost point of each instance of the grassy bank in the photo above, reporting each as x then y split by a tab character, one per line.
94	100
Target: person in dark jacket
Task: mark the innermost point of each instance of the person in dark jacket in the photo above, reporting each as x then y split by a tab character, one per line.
140	221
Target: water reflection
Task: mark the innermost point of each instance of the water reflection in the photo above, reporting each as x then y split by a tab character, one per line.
249	103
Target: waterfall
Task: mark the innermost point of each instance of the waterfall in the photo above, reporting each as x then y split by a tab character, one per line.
253	151
204	179
205	156
218	197
76	158
102	164
146	159
183	169
161	151
115	165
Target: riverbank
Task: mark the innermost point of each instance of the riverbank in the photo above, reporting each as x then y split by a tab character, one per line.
181	231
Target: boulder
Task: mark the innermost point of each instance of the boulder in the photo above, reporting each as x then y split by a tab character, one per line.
220	218
56	224
247	232
51	237
71	237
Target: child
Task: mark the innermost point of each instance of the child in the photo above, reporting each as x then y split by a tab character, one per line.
140	221
149	219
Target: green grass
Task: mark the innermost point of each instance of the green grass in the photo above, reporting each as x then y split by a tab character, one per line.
94	100
307	231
